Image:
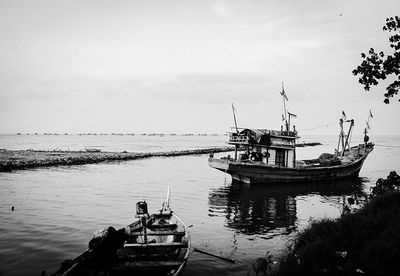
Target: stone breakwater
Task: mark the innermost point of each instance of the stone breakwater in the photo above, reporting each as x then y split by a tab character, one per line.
311	144
25	159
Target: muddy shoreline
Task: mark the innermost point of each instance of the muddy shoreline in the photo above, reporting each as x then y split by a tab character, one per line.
25	159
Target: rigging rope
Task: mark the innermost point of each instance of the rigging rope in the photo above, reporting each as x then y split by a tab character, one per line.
391	146
351	135
317	127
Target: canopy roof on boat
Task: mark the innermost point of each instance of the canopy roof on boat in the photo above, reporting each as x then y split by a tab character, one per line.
258	134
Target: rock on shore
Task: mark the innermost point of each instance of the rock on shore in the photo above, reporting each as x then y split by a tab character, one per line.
24	159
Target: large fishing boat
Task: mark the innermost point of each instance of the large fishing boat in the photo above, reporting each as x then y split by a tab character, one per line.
269	156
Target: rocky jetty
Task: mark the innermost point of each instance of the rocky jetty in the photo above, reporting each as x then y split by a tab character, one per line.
25	159
310	144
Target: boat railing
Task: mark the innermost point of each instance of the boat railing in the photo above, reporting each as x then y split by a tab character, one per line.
279	132
238	139
283	145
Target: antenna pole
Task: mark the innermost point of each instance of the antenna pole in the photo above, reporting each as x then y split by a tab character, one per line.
168	196
284	107
234	118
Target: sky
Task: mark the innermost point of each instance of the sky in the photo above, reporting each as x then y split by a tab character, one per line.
177	66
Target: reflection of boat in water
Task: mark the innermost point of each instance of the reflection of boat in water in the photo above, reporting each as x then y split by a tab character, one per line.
156	244
272	209
270	156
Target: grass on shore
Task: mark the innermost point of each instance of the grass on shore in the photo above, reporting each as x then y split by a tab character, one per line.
363	243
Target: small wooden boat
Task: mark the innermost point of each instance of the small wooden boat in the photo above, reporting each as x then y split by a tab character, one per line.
156	244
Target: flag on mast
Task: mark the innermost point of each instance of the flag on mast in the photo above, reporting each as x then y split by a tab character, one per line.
233	108
370	114
344	116
284	94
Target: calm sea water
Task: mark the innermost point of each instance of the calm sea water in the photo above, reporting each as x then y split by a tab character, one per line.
58	209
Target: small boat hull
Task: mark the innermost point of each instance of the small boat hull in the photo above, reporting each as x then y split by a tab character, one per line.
252	172
158	244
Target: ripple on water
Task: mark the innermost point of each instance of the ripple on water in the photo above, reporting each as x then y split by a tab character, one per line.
58	209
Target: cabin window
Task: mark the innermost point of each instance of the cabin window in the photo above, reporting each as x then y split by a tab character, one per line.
280	158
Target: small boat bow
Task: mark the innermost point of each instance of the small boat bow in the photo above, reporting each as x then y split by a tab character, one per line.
156	244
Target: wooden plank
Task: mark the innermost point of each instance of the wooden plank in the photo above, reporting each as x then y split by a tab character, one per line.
156	244
146	265
213	255
160	233
160	226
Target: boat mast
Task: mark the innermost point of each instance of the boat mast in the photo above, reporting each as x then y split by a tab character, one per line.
237	130
367	128
168	196
284	115
340	134
343	136
348	136
234	118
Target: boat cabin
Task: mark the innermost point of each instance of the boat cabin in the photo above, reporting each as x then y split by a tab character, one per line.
270	147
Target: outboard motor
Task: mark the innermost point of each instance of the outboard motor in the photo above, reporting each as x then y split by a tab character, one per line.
141	209
142	213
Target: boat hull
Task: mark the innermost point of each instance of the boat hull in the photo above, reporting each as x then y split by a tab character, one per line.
163	250
248	172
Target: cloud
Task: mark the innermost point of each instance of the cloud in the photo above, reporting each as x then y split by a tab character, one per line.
52	88
199	88
222	88
194	87
279	19
220	7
